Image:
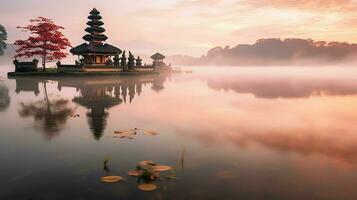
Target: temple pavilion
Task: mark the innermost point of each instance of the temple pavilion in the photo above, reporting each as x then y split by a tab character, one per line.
94	52
158	59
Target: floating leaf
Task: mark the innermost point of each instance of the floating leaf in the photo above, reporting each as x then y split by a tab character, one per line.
171	176
131	131
151	132
123	136
161	168
147	187
146	163
127	136
135	173
111	179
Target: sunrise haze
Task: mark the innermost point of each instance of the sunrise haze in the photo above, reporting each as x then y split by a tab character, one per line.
191	27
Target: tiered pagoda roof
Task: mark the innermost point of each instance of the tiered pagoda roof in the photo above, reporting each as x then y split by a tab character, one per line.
95	38
93	48
157	56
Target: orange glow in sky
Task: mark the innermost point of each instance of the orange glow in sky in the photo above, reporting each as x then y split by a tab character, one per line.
192	26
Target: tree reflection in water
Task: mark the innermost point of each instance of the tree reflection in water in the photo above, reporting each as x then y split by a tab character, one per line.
96	95
4	97
50	115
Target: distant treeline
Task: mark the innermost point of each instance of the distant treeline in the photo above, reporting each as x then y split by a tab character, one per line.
275	51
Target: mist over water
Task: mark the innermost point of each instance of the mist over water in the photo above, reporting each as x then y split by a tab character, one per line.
276	52
251	129
266	114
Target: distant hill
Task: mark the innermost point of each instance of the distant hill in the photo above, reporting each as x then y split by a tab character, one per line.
264	52
275	51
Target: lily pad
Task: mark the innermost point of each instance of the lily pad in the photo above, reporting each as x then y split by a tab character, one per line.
161	168
151	132
111	179
171	176
131	131
147	162
124	135
135	173
127	136
147	187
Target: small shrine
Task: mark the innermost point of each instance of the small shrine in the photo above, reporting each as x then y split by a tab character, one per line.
158	59
95	52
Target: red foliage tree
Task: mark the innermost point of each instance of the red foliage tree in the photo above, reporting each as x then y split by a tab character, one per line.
46	41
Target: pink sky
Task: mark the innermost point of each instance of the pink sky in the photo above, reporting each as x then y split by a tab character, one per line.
191	26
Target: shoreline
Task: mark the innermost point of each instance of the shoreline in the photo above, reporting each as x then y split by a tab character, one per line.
60	74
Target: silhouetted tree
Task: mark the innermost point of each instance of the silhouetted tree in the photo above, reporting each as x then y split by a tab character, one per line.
123	60
131	61
116	60
138	62
3	37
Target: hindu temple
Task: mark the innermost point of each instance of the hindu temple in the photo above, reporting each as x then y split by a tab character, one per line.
95	52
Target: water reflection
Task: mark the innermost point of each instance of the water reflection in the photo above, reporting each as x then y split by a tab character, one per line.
293	132
4	97
158	83
50	115
99	95
97	99
28	85
283	87
322	126
329	144
95	94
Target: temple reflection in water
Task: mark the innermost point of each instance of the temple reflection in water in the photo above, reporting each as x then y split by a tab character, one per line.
27	85
98	95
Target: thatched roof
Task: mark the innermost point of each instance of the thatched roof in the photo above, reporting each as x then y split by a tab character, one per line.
95	23
94	29
158	56
94	48
94	17
94	12
95	37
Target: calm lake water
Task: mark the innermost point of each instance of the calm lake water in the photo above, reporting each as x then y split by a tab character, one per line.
230	133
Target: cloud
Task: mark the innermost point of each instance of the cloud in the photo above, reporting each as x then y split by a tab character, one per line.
193	26
253	32
316	5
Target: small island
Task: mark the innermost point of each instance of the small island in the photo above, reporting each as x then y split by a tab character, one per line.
94	56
